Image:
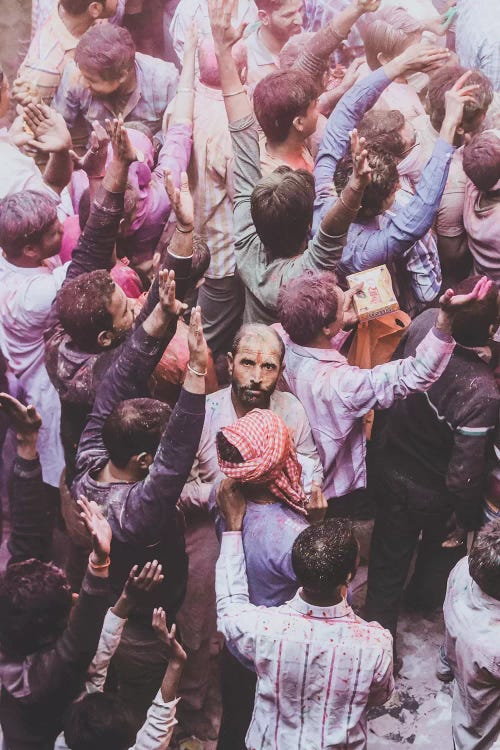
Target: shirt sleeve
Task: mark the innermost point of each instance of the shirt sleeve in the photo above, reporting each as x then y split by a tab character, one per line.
236	618
156	732
424	269
109	641
151	505
358	391
382	686
347	114
246	174
67	99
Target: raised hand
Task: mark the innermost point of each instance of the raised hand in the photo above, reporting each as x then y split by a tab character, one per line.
350	315
452	303
25	420
99	529
94	161
317	506
361	170
166	292
175	651
49	128
224	33
120	142
24	92
368	6
198	349
191	39
416	58
181	199
457	97
231	504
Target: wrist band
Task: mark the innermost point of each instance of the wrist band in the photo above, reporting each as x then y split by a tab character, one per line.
348	208
184	231
234	93
99	567
196	372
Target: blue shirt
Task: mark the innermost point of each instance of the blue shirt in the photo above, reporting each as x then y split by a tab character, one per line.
269	531
367	244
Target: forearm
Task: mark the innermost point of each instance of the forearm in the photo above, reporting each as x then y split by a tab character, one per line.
58	170
184	99
181	243
31	505
158	324
237	105
170	682
326	40
109	641
95	246
182	267
116	176
344	211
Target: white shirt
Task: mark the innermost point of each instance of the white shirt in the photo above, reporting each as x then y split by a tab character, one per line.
19	172
318	668
220	413
26	296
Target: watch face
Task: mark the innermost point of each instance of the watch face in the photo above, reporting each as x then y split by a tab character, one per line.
139	155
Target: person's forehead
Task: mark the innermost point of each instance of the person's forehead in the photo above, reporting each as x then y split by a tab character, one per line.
263	344
290	6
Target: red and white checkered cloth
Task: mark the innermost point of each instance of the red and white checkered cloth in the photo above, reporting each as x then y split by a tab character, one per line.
269	456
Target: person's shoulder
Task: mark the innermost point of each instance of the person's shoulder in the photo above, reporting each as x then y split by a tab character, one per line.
155	66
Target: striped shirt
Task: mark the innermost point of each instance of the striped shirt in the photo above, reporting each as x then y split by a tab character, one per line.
318	668
156	86
336	397
52	47
210	178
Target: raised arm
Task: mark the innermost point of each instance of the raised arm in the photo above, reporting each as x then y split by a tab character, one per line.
351	110
51	669
410	223
326	40
128	376
236	618
97	241
32	510
361	390
150	505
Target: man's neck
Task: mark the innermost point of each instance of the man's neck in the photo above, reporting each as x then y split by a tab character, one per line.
291	151
76	25
126	88
258	494
321	341
318	600
111	474
269	41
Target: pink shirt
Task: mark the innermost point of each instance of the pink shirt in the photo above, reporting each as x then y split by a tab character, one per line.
481	221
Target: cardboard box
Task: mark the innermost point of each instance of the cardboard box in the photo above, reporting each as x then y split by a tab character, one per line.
377	296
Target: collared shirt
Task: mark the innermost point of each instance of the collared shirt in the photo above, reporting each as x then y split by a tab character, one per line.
26	296
336	396
197	10
52	47
481	220
318	668
472	620
260	60
397	243
261	276
156	86
477	37
220	413
41	10
211	179
269	163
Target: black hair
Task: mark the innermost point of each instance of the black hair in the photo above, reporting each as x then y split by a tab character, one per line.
324	554
133	427
98	721
484	559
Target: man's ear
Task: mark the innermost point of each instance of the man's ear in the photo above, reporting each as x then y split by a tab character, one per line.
31	252
105	339
143	460
263	17
298	123
95	10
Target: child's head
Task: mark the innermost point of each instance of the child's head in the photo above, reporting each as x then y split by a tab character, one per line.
98	721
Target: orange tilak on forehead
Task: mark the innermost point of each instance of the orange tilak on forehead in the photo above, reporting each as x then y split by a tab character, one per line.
259	349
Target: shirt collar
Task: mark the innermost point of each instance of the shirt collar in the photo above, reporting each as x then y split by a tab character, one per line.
262	55
321	613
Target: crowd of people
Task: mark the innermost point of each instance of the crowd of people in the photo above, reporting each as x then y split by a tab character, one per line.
196	417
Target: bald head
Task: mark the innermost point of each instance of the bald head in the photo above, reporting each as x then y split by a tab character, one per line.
259	331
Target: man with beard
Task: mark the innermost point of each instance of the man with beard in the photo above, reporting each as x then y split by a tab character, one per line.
255	365
279	20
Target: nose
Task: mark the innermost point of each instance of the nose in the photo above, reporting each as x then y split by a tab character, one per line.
256	376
